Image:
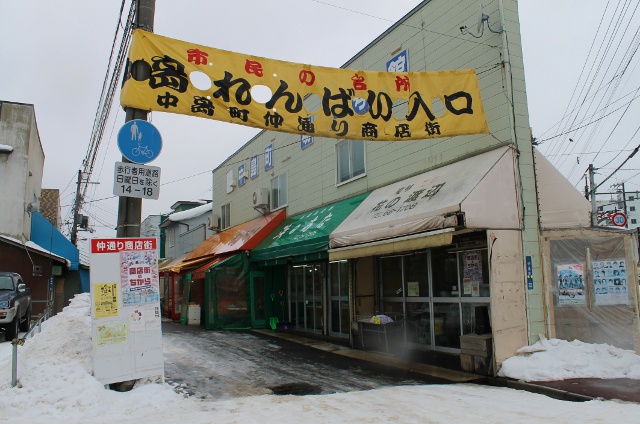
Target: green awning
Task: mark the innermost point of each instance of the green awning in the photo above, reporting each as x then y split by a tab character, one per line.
304	237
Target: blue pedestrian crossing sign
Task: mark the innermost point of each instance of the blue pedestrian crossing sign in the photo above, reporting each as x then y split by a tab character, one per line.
139	141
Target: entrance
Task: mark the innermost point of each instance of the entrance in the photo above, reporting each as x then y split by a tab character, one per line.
306	300
257	287
437	292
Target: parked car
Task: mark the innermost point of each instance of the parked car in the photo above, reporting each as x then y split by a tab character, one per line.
15	305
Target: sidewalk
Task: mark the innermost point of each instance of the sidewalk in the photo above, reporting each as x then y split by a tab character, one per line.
576	390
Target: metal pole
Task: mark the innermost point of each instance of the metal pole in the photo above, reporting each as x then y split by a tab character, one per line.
594	208
14	363
130	208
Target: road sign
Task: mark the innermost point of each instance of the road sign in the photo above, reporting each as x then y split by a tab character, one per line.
619	219
136	180
139	141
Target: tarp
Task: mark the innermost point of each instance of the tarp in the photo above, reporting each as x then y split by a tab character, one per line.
305	236
190	79
482	187
245	236
227	294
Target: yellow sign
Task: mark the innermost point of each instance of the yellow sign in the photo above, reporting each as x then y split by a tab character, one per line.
105	302
174	76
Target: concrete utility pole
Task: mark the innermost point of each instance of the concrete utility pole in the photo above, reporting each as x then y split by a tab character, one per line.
594	207
130	208
76	210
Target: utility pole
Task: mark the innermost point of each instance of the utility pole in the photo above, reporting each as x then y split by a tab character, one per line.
130	208
76	210
624	204
592	191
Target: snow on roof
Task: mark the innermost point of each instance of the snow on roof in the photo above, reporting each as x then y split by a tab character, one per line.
191	213
33	246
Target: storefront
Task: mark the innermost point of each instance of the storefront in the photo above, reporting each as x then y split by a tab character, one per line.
591	277
293	260
432	251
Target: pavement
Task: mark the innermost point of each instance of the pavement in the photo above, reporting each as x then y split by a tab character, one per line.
577	390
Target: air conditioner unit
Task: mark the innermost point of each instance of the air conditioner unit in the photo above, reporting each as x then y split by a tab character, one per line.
261	198
213	222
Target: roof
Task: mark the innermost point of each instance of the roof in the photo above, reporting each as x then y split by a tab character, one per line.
191	213
34	247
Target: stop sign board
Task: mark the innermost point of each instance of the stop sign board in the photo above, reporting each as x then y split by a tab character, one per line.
619	219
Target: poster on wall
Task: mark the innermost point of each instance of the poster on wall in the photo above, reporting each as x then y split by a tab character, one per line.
571	289
125	313
610	282
139	277
472	273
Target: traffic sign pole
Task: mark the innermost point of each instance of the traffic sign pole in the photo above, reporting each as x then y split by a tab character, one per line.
130	208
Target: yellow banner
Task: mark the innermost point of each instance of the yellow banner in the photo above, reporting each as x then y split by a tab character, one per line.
179	77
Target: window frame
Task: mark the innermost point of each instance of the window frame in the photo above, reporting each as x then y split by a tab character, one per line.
350	150
272	197
225	216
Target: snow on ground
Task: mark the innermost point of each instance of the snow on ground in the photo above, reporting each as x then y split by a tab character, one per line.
555	359
56	386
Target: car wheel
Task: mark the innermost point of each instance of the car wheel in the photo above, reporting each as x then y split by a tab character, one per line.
11	332
26	324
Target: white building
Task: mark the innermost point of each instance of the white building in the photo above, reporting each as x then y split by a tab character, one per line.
21	165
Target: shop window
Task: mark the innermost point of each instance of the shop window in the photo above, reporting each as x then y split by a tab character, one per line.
279	191
444	273
351	160
225	216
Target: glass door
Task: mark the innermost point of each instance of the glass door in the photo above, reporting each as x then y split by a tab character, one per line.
306	303
258	312
339	298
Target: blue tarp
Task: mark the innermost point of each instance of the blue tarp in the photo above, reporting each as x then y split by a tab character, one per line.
49	238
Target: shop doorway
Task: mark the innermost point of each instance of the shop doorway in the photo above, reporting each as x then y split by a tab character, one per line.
339	298
306	300
436	293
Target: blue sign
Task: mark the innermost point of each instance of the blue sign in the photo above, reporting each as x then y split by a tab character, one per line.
399	62
139	141
253	167
529	273
360	105
241	179
268	157
305	141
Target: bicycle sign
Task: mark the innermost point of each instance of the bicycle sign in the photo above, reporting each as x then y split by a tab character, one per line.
139	141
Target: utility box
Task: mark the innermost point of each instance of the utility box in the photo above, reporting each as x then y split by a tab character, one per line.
194	315
476	353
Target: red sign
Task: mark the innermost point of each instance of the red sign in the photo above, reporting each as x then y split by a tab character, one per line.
122	244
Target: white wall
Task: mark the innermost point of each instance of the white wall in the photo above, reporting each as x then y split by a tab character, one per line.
20	171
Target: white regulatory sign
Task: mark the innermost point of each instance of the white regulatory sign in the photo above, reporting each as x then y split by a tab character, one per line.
136	180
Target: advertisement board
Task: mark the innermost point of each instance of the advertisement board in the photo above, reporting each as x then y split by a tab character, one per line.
125	309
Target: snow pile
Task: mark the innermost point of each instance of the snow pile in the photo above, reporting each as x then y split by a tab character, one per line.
55	372
555	359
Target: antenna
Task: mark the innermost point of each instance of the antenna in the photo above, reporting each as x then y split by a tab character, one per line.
480	25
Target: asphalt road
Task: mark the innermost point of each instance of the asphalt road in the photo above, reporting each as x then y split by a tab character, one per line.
228	364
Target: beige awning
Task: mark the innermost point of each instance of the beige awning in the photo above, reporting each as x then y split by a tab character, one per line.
481	187
396	245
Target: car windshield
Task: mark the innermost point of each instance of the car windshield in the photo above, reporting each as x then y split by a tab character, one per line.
6	283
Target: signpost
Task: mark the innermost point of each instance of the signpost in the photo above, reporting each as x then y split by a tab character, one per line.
134	180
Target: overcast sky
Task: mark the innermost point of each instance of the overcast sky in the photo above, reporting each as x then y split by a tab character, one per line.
54	55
